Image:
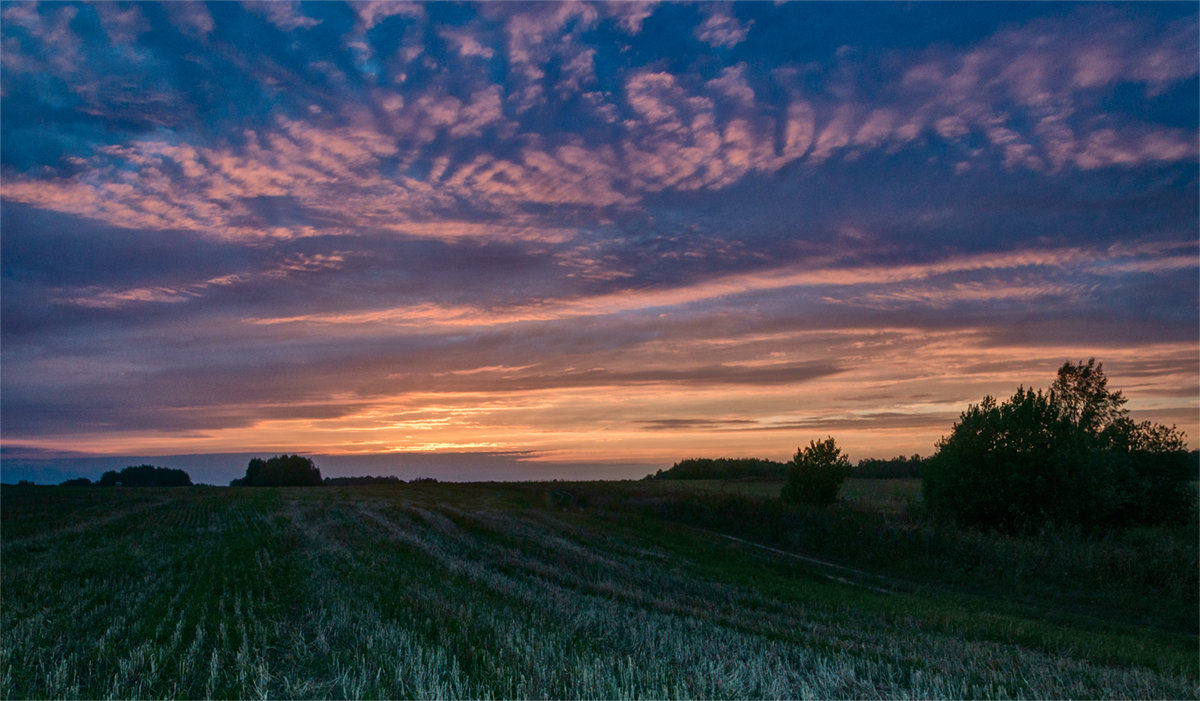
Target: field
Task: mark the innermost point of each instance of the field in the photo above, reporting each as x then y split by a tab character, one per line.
882	495
563	590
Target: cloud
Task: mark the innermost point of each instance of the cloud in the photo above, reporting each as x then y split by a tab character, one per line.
371	13
465	43
457	226
122	24
97	297
540	34
284	14
630	15
680	144
732	84
1052	75
191	18
51	28
936	293
722	31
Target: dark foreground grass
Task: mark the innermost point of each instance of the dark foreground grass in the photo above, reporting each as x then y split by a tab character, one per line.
514	591
1146	576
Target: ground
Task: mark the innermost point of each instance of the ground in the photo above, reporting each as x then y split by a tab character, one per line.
510	590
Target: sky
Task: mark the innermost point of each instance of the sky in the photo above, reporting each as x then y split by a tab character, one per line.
569	240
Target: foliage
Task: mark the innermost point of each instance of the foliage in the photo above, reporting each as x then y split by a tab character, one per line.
816	473
280	471
77	482
1069	456
722	468
145	476
893	468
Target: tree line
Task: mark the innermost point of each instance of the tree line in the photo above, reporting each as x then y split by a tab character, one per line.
1066	456
1070	455
898	467
136	476
279	471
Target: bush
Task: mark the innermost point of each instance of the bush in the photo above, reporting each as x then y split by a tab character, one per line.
816	473
280	471
1069	456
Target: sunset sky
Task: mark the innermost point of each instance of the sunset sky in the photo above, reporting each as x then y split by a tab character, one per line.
560	236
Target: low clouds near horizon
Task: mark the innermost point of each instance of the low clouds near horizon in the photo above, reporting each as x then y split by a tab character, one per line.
586	232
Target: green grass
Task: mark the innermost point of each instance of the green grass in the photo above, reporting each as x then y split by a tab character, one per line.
885	495
505	590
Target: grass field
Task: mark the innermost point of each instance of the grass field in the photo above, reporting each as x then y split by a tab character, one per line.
507	590
883	495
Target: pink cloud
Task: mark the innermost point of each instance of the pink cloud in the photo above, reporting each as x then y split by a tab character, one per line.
122	24
538	35
835	134
192	18
800	129
1107	147
1044	70
1023	281
878	127
485	109
732	84
630	15
284	14
52	29
100	298
465	43
722	31
1096	66
373	12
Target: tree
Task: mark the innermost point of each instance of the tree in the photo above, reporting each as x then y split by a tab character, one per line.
145	476
816	473
1080	392
1071	455
280	471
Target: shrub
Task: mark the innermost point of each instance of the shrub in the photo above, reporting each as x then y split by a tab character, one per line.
816	473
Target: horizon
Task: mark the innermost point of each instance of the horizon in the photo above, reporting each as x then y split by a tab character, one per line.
559	239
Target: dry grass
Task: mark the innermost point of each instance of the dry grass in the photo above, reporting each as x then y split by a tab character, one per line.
451	591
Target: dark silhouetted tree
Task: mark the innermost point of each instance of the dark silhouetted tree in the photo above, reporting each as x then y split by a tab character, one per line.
77	482
816	473
1071	455
280	471
145	476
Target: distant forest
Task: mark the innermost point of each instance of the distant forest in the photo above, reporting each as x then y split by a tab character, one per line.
758	468
136	476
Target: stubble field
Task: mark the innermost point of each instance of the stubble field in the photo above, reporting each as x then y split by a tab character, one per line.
503	591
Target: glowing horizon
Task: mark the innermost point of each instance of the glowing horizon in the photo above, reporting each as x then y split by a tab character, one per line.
586	233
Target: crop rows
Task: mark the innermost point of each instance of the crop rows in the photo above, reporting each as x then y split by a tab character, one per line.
449	592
